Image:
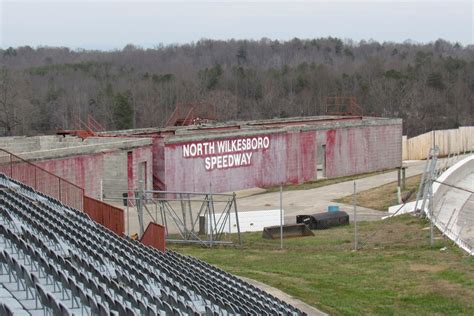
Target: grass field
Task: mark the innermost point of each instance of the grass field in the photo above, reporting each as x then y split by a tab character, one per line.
324	182
382	197
395	273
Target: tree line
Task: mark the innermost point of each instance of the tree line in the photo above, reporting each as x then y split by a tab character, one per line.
430	86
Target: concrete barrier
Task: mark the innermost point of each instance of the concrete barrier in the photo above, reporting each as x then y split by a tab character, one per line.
453	208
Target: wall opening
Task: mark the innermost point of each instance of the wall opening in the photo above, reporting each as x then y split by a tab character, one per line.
142	177
321	162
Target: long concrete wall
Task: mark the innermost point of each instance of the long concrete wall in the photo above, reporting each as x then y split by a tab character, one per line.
107	173
103	166
267	167
291	157
85	171
450	141
363	149
21	144
453	208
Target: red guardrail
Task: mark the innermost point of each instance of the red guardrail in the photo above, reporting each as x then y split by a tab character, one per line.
154	236
109	216
343	106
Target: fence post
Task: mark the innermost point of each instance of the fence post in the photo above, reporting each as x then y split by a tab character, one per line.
281	216
356	246
236	218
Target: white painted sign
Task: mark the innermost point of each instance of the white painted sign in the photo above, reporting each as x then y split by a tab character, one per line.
229	153
253	221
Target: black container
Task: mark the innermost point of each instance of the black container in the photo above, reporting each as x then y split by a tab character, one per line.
125	198
324	220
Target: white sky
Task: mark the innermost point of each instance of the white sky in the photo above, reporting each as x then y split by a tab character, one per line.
105	24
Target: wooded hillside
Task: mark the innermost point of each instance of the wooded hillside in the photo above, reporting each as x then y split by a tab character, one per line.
429	86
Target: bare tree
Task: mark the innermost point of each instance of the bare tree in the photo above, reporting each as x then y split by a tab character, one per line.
8	99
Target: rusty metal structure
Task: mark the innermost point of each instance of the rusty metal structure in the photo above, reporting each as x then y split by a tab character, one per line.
346	106
83	129
191	114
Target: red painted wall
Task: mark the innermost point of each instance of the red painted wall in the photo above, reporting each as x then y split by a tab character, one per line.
84	171
87	171
158	163
139	156
286	160
291	158
363	149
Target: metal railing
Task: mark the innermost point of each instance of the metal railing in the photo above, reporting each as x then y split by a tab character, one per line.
186	113
41	180
343	106
63	190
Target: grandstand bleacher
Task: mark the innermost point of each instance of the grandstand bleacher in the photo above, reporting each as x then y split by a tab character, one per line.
54	260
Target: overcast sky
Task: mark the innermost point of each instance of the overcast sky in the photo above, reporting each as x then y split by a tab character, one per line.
105	24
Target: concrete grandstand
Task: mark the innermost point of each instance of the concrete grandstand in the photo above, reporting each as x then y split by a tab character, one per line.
55	260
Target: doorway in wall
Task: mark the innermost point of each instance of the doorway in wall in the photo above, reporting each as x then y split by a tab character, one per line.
142	180
321	163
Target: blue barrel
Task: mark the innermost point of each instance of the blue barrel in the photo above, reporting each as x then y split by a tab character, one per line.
333	208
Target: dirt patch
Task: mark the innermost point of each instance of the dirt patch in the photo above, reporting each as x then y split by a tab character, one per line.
418	267
453	290
382	197
279	251
394	233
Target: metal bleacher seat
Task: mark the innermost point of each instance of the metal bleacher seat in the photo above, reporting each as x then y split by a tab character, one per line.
5	310
56	261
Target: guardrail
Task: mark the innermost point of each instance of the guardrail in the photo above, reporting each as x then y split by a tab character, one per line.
105	214
154	236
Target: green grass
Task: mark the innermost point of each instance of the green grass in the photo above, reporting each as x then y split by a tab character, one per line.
396	272
380	198
324	182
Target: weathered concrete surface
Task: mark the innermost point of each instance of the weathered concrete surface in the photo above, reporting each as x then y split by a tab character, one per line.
88	148
291	158
351	145
102	166
308	309
104	173
248	192
453	208
20	144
